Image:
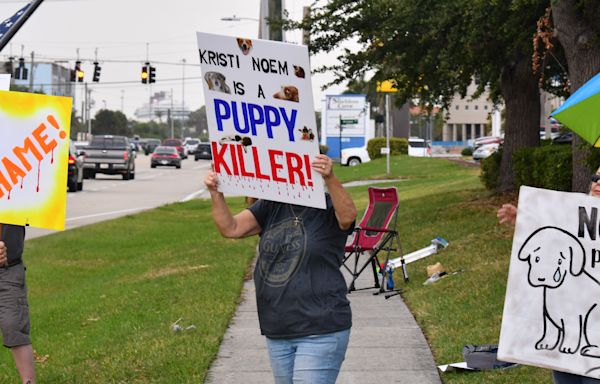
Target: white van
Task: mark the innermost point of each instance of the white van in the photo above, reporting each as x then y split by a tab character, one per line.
418	147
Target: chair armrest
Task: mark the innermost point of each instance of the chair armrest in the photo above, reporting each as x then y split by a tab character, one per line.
371	229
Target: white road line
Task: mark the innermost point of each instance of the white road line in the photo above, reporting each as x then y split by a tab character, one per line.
107	213
192	195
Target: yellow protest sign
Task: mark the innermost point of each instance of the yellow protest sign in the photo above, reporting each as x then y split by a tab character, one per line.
34	150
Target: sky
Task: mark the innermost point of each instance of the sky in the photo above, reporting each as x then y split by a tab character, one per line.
124	33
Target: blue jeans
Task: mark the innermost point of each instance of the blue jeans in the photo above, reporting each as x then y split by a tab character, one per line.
308	360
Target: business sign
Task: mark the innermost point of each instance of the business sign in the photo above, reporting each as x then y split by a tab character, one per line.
551	312
348	112
261	118
34	152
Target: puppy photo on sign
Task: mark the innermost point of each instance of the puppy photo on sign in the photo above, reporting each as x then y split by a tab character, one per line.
289	93
216	82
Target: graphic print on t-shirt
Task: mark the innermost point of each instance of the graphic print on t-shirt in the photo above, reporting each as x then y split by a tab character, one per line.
282	249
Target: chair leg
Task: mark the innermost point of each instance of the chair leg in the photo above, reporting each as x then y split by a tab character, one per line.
374	267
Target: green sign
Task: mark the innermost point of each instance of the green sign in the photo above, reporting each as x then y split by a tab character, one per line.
348	121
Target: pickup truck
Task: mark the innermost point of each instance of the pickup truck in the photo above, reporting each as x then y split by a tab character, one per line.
112	155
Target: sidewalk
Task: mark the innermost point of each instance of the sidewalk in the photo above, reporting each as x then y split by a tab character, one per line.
386	344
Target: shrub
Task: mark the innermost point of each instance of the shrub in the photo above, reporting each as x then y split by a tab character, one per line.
490	170
468	151
547	167
397	146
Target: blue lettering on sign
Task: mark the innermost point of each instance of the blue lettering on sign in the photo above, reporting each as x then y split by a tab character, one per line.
254	116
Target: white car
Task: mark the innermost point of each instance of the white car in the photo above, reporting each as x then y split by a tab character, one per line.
190	145
484	151
354	156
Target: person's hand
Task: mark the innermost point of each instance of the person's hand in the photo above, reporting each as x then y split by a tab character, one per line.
211	181
323	165
507	214
3	254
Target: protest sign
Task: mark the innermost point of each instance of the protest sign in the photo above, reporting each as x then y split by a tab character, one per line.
34	152
551	314
261	118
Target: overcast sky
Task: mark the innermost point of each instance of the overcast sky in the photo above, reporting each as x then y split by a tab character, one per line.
121	30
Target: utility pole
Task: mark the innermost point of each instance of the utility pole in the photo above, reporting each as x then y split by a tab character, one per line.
171	115
122	101
182	93
387	133
31	73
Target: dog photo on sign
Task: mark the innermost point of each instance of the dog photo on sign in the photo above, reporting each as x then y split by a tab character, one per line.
216	82
289	93
245	45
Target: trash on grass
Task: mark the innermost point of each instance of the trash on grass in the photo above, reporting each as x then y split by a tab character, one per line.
175	327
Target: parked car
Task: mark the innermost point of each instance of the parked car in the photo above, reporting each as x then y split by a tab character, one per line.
554	132
163	155
203	151
191	145
354	156
418	147
563	138
150	145
485	150
75	168
478	142
177	144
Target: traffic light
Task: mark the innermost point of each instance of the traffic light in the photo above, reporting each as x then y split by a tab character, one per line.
8	66
152	75
21	72
97	69
77	74
145	73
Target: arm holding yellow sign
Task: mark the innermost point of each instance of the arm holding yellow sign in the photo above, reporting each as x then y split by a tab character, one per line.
300	291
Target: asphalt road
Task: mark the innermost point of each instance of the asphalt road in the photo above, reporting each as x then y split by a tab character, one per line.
108	196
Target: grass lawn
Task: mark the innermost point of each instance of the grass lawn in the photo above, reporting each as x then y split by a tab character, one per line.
103	297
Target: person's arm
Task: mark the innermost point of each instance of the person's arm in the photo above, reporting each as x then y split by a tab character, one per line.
241	225
344	208
3	254
507	214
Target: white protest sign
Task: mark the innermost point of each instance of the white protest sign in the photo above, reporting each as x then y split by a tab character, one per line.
551	314
261	118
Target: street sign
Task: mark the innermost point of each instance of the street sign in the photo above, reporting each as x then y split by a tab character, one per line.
348	121
387	86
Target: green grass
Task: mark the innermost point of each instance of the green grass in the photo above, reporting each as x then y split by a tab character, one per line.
103	297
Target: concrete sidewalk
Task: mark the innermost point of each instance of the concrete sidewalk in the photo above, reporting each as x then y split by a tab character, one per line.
386	344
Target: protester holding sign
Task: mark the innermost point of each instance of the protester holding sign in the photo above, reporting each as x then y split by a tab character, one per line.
507	214
14	310
301	294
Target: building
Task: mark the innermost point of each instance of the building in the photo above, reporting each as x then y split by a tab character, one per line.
160	108
48	78
468	118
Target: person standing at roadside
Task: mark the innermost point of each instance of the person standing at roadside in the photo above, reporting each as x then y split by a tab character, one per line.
14	310
301	293
507	214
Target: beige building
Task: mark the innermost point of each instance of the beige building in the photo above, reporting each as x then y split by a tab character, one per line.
467	118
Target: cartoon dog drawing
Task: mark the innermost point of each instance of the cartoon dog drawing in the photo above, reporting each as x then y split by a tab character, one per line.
245	45
216	82
245	141
288	92
571	322
299	71
307	134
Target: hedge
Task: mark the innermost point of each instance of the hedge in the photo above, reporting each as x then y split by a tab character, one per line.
398	146
547	167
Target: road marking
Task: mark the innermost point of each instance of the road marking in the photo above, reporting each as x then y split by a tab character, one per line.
107	213
192	195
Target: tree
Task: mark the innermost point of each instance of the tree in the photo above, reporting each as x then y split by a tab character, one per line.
434	50
198	120
107	122
577	29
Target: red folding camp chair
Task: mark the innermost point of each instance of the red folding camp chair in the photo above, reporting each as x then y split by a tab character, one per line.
375	233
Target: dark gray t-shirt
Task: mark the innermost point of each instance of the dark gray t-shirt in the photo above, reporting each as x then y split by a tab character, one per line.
300	289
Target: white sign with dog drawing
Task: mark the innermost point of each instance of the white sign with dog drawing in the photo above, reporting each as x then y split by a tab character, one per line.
261	118
551	312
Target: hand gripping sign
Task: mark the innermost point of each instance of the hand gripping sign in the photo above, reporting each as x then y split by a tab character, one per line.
261	118
34	150
552	309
